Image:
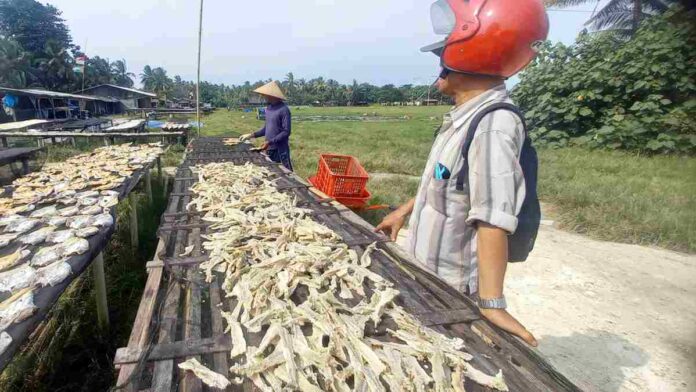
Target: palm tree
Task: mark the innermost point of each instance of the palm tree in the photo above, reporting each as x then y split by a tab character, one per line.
15	65
119	71
55	66
156	80
622	16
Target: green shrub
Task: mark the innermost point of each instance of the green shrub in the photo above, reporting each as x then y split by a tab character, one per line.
607	92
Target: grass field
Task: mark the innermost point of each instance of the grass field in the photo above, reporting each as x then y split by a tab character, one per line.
608	195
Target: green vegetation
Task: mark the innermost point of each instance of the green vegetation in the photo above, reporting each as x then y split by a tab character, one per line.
605	92
610	195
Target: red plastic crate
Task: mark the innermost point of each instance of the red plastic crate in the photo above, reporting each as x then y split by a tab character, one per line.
341	176
358	201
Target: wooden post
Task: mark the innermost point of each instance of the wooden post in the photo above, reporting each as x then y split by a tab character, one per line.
25	166
100	291
165	185
148	186
133	198
4	141
159	167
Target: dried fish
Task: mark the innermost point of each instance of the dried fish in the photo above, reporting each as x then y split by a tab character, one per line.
87	195
209	377
7	219
75	246
19	307
103	220
22	226
92	210
267	247
60	236
86	232
17	278
5	341
68	201
47	255
53	274
38	236
80	221
108	201
69	211
5	239
57	221
87	201
44	212
13	259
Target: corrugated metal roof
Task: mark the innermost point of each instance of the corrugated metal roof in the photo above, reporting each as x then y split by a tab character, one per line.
54	94
123	88
14	126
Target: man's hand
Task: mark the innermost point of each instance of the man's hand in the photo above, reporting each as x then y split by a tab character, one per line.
504	320
264	147
493	256
245	137
392	223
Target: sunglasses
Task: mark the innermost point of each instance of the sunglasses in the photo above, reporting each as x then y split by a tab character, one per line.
444	73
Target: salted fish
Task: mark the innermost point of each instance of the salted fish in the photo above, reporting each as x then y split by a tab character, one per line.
103	220
47	255
13	259
80	221
17	308
87	201
7	219
75	246
17	278
209	377
92	210
87	194
53	274
60	236
108	201
5	239
5	341
22	226
69	211
38	236
57	220
68	201
110	193
44	212
86	232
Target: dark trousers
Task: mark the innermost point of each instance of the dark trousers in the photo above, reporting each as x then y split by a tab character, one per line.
281	155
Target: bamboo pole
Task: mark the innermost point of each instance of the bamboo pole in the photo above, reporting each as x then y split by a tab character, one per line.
148	186
198	79
100	291
133	198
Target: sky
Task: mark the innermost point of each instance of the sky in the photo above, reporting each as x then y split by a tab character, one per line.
375	41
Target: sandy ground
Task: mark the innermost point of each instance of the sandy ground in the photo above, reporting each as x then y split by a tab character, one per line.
611	317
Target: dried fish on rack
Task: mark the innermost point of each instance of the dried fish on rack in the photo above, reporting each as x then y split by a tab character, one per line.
268	250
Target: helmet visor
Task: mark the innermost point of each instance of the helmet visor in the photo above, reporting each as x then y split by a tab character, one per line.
442	17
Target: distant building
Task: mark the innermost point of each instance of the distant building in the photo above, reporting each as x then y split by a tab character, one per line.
427	102
29	104
129	97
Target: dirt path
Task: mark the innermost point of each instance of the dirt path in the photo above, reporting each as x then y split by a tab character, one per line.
611	317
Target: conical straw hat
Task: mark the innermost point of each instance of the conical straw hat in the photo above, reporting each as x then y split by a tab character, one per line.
271	89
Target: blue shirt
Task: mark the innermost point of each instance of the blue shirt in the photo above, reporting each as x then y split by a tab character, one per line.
277	128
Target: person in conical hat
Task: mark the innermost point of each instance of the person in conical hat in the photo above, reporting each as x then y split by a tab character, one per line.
278	125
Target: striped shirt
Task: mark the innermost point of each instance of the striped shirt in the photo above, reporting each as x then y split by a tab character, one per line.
443	231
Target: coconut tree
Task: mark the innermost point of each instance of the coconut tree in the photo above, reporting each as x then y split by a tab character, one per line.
120	74
156	80
55	67
15	65
622	16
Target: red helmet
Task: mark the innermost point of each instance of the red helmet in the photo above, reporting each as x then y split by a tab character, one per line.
488	37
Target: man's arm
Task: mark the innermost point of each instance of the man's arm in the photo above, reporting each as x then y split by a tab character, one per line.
260	133
392	223
493	259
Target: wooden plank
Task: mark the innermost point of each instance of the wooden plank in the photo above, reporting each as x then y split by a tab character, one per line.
170	351
444	317
219	359
192	310
164	370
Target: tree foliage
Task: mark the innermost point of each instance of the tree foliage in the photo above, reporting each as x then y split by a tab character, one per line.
33	25
605	92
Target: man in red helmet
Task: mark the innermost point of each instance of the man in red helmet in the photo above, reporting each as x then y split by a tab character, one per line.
461	231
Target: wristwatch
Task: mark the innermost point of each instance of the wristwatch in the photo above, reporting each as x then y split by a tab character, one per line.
495	303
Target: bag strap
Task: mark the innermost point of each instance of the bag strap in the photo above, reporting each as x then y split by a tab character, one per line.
463	176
